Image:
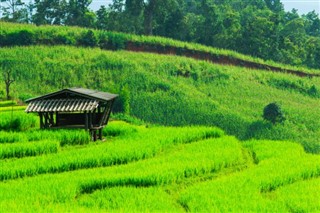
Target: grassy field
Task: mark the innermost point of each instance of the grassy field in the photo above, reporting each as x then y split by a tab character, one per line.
172	90
156	168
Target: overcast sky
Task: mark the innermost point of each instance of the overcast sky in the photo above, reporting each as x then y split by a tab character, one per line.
303	6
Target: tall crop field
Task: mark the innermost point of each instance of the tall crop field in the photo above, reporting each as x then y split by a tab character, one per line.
177	91
179	169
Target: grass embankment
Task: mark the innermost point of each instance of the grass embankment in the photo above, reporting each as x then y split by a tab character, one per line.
186	171
22	34
173	90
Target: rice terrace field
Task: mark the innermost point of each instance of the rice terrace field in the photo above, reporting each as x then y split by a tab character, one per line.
143	168
186	133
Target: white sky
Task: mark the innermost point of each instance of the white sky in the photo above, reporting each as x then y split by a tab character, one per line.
303	6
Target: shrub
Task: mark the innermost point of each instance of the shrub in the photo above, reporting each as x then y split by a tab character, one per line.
273	113
21	38
88	39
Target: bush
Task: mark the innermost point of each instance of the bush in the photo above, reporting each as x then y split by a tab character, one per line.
273	113
88	39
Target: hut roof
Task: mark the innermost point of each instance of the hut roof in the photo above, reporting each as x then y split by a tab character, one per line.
69	100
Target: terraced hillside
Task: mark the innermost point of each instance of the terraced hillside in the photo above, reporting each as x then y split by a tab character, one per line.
154	168
205	147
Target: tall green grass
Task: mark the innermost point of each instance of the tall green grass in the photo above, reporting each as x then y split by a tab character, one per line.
17	121
302	196
177	91
22	35
185	178
191	160
145	144
12	108
65	137
26	149
178	164
151	199
8	103
248	190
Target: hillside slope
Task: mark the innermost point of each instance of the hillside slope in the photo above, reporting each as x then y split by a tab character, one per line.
173	90
23	34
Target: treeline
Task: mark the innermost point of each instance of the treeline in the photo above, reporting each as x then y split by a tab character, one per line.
260	28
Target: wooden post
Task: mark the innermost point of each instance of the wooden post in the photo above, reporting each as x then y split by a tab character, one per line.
100	134
86	120
57	119
90	120
41	120
94	135
51	119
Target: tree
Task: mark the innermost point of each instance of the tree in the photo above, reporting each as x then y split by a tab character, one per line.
78	13
49	12
102	18
312	23
8	80
12	11
273	113
134	15
274	5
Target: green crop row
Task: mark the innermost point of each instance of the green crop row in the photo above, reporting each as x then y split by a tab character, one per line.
302	196
17	121
150	199
26	149
182	162
7	103
183	173
12	108
65	137
249	190
191	160
145	144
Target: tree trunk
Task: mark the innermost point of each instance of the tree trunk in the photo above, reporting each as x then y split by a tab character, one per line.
8	90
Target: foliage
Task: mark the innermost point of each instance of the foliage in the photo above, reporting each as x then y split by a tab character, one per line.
252	189
273	113
175	90
17	121
7	103
216	174
52	35
26	149
131	147
258	28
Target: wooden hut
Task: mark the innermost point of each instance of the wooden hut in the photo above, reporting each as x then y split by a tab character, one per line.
74	108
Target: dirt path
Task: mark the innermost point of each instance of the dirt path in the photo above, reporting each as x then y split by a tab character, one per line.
218	59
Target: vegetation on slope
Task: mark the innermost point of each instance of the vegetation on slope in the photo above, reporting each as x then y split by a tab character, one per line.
18	34
174	90
261	28
182	172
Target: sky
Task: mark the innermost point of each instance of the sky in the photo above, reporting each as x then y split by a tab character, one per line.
303	6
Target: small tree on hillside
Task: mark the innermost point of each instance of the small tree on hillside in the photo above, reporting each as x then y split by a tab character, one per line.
8	80
273	113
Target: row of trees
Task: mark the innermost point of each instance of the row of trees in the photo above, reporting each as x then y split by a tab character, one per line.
259	28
